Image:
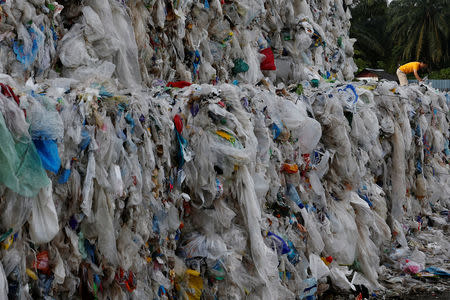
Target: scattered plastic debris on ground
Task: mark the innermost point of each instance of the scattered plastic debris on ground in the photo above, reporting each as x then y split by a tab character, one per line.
212	150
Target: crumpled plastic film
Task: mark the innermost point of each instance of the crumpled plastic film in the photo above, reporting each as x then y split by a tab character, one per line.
211	150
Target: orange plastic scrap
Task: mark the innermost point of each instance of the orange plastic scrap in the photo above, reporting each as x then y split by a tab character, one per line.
301	228
290	168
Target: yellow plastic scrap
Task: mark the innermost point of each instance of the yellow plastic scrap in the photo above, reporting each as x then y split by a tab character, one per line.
31	274
325	261
368	87
8	242
195	284
226	136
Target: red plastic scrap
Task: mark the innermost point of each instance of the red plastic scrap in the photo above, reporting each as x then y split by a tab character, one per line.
178	123
126	279
269	62
8	92
178	84
41	262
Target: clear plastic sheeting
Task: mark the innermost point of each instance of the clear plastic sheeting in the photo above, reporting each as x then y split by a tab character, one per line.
211	150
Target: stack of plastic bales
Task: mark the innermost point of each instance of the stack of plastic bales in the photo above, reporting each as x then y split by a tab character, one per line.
190	40
121	179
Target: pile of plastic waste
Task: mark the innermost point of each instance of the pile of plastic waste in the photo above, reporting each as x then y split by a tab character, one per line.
206	41
129	169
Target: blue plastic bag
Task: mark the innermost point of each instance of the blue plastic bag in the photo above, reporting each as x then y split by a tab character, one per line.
282	247
48	152
292	194
28	57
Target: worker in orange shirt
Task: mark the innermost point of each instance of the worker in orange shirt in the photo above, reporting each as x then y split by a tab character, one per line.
408	68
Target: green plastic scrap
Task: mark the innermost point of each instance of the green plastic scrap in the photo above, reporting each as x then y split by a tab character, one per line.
5	235
240	66
299	89
339	41
315	83
81	248
20	165
95	291
286	35
356	266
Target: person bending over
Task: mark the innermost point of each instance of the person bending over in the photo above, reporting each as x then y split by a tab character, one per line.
412	67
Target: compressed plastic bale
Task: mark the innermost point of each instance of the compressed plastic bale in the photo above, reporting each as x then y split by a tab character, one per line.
105	229
121	33
136	162
367	251
263	257
342	244
44	220
398	175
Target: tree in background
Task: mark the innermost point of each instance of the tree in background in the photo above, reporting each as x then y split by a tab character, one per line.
403	31
419	30
369	24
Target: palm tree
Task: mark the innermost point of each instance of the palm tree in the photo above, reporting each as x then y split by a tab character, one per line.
369	28
420	30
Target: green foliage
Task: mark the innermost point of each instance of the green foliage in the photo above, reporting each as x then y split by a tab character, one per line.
403	31
368	27
441	74
419	30
361	63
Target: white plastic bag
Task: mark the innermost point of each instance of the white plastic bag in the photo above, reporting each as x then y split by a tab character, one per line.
318	268
88	185
340	280
73	52
94	28
105	229
3	284
44	221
